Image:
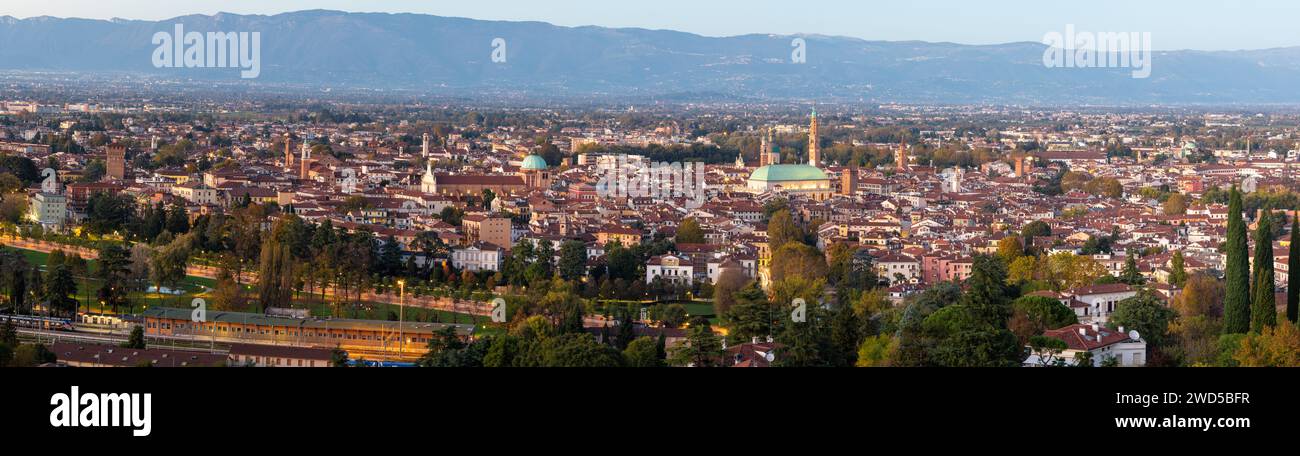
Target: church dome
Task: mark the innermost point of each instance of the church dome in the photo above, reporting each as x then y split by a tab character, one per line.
534	163
781	173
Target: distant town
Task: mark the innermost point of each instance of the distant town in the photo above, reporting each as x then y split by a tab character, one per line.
296	232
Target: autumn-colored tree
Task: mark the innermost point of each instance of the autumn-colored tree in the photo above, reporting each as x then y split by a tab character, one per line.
796	259
1074	180
1061	271
1023	269
1273	346
1010	248
730	280
786	290
1176	204
1203	295
877	351
1195	340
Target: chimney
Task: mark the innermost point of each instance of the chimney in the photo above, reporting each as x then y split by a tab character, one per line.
1122	331
1096	327
1083	332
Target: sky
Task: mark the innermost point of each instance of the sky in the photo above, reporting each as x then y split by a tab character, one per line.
1185	24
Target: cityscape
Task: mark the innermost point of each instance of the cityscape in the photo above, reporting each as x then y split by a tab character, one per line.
225	206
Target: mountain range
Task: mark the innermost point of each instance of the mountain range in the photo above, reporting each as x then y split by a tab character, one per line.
454	55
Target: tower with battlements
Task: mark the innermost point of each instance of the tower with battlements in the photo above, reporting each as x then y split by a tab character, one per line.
900	158
116	162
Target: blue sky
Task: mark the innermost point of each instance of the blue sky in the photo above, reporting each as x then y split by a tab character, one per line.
1186	24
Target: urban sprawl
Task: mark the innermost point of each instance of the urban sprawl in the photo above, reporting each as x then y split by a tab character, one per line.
296	232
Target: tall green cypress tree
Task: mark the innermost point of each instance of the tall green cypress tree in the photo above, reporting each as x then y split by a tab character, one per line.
1236	301
1293	265
1263	307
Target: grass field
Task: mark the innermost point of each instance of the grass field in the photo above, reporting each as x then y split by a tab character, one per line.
87	287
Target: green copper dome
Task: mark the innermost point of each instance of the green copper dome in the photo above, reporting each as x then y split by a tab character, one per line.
779	173
534	162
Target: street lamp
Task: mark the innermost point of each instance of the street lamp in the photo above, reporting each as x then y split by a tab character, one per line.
401	316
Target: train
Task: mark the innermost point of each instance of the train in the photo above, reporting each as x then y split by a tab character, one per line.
38	322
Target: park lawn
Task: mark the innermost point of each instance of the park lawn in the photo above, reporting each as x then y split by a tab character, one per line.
87	287
697	308
381	311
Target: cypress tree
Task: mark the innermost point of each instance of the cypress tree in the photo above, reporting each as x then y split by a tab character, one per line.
1178	270
1236	301
1292	265
1130	274
1263	308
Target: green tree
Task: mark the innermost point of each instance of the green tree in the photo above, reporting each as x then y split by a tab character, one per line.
1178	271
1048	349
32	355
988	294
1031	315
750	316
1263	306
59	289
1236	306
1130	274
276	266
573	260
782	230
1145	313
1036	228
136	340
642	352
1293	264
167	267
690	232
701	349
578	350
113	272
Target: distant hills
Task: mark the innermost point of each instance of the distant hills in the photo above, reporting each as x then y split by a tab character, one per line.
453	55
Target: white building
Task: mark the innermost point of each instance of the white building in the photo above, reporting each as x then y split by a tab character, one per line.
672	268
1126	347
1095	303
48	209
896	265
196	192
480	256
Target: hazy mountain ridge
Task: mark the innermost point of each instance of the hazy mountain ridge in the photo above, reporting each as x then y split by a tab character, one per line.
453	55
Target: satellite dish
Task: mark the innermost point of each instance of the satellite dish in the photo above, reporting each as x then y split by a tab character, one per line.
1134	335
769	357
